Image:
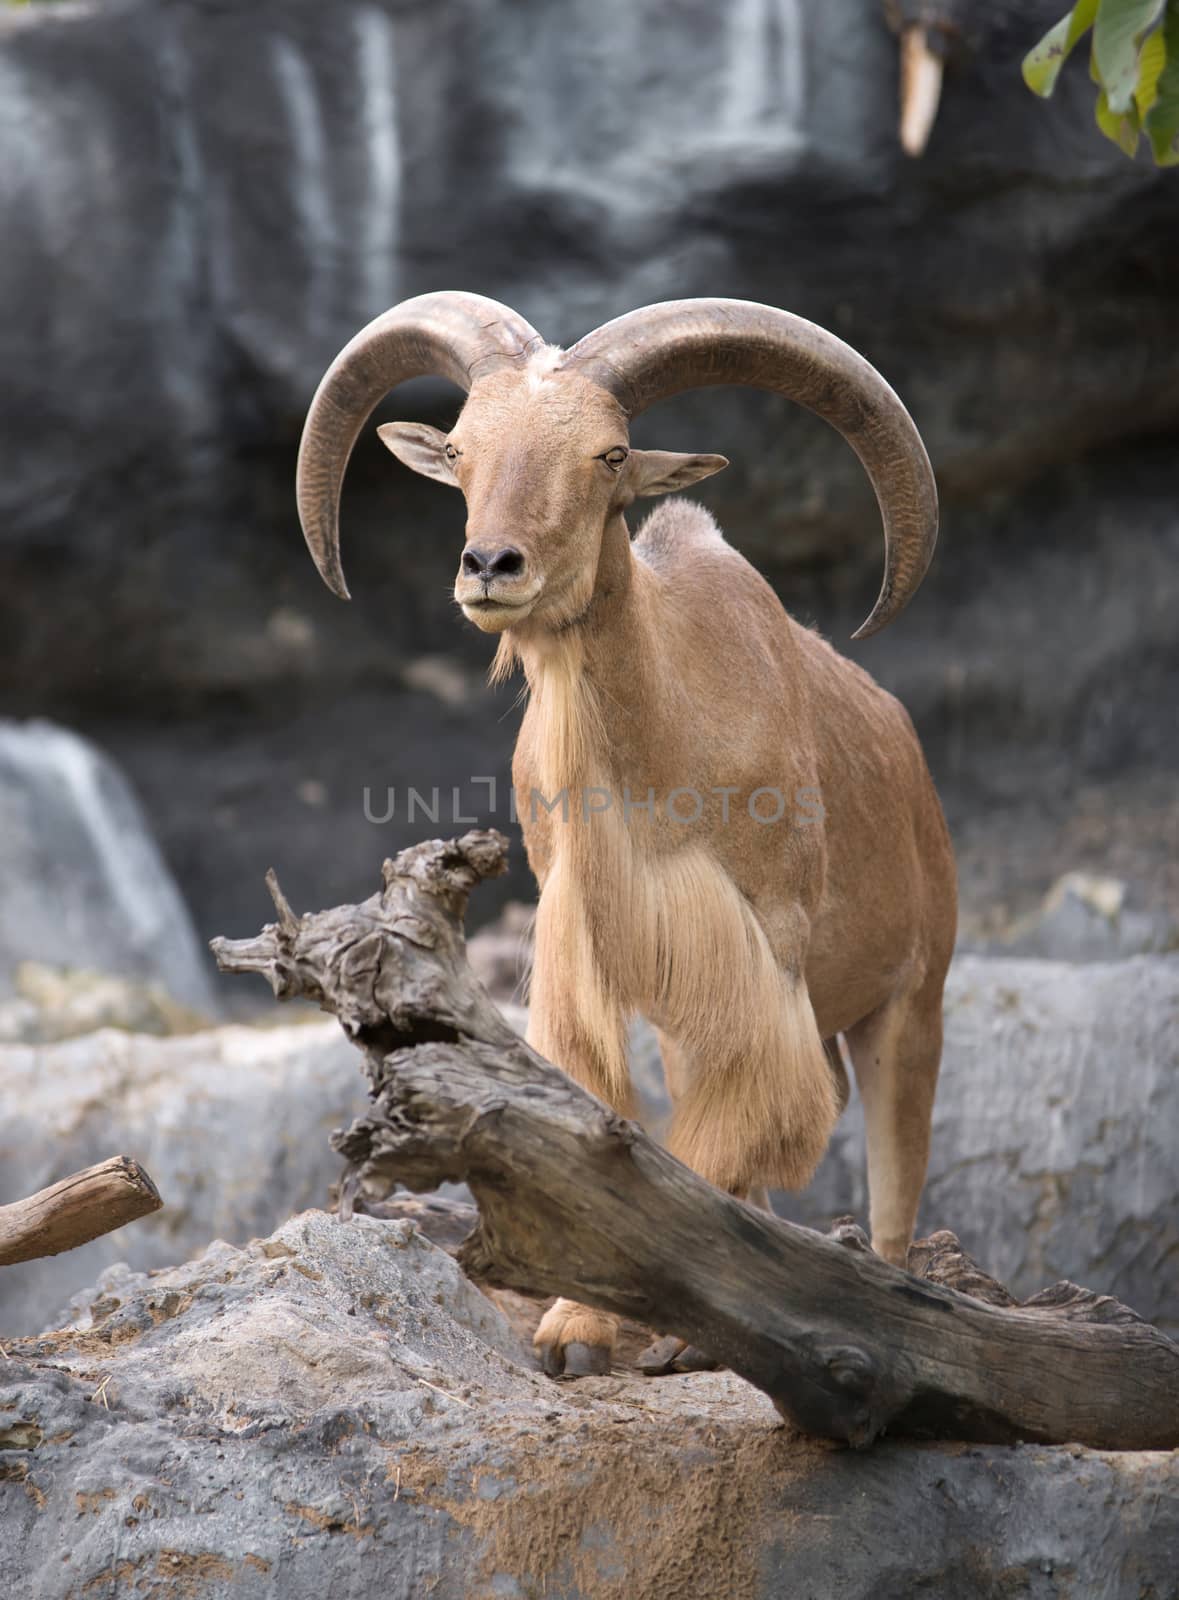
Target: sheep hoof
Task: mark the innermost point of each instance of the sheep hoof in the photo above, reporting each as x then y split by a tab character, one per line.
693	1359
670	1354
586	1360
573	1341
576	1360
659	1358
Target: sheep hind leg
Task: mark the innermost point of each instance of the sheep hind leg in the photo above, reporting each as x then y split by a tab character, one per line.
896	1053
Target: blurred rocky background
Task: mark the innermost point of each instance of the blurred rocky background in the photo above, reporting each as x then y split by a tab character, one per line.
201	203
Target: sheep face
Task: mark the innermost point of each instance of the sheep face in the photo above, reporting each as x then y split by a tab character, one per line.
543	458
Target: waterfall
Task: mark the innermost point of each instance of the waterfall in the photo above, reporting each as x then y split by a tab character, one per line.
766	80
379	223
310	178
84	882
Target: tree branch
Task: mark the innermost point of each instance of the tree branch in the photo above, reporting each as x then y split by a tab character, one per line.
576	1200
79	1208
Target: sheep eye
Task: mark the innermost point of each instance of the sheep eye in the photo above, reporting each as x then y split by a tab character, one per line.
451	453
614	458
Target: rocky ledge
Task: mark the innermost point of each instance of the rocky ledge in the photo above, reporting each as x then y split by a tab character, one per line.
335	1410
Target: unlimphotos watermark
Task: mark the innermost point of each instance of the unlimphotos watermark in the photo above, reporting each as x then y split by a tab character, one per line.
717	803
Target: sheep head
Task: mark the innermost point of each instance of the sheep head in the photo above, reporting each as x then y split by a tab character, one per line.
541	449
543	457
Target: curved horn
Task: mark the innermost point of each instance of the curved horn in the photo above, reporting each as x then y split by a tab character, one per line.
447	335
687	344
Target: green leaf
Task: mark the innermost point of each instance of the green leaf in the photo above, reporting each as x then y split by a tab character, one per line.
1117	39
1042	64
1151	62
1120	126
1161	123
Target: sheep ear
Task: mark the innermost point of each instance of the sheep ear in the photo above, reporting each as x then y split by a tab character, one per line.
665	471
421	447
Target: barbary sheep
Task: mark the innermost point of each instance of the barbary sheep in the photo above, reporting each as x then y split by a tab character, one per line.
748	848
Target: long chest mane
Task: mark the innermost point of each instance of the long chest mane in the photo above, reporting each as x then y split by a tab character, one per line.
656	929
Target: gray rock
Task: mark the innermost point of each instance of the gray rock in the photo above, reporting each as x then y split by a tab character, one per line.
62	1003
1056	1129
232	1124
84	884
335	1410
646	1072
1085	917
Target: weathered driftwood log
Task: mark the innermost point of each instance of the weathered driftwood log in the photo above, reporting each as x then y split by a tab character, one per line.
578	1201
79	1208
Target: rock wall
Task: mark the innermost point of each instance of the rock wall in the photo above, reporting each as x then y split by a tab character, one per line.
201	203
1054	1134
232	1124
335	1410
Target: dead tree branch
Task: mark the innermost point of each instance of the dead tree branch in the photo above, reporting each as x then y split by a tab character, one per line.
578	1201
79	1208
